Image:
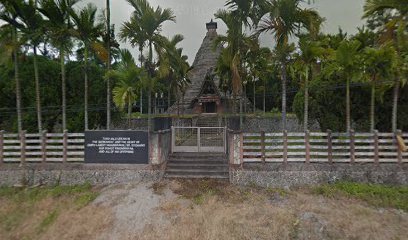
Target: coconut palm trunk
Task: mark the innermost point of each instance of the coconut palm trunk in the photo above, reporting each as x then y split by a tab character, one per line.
18	86
37	91
108	66
306	108
372	108
254	97
284	83
141	88
63	90
395	106
86	88
264	97
129	111
348	118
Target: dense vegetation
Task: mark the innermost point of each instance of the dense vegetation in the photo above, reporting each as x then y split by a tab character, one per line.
62	68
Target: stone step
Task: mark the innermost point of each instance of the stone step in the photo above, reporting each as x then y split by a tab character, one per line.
173	166
198	161
196	155
226	177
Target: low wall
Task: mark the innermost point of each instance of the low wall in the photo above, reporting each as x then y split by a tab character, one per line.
74	174
297	174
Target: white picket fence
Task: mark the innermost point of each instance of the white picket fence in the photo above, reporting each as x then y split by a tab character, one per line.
323	147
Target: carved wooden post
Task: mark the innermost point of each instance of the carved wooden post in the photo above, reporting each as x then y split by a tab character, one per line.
329	146
307	146
285	146
399	133
23	146
263	146
1	146
65	146
44	146
352	147
376	148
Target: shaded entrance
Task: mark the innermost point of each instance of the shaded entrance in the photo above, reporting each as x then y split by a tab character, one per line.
210	107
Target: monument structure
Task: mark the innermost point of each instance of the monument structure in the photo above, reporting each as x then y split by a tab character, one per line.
203	95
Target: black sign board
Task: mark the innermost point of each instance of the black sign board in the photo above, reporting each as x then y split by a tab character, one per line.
116	147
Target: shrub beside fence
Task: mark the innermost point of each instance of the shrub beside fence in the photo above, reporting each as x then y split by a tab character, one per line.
323	147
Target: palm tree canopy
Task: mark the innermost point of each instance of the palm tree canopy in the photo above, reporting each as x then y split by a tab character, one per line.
286	18
373	6
58	21
87	29
129	78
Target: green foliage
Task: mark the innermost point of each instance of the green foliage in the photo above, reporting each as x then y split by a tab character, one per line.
376	195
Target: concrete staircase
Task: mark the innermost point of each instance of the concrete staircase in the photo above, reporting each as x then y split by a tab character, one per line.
210	121
197	165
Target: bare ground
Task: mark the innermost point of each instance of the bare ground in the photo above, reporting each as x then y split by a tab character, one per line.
210	210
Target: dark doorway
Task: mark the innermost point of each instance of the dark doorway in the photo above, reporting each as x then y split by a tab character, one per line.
210	107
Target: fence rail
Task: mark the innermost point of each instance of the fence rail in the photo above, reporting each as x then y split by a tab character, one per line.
44	147
323	147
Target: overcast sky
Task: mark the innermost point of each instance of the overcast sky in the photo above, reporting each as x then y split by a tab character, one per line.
193	14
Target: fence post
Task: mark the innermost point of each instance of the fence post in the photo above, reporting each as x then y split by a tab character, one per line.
285	146
44	146
307	145
1	146
399	133
376	148
329	146
23	146
241	149
263	146
352	147
65	146
199	139
172	139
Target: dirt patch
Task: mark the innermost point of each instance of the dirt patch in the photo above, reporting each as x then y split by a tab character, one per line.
200	209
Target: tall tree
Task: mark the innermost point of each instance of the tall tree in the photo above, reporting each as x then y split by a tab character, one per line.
9	13
173	66
379	67
285	18
30	24
87	31
394	30
108	66
59	28
129	78
347	64
305	63
151	23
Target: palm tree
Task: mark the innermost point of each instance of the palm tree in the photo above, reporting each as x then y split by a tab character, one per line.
108	66
395	31
30	24
285	19
129	78
346	65
151	22
59	28
173	66
379	66
305	61
88	32
9	13
237	44
133	33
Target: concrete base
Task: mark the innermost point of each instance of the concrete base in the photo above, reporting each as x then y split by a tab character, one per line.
74	174
299	174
